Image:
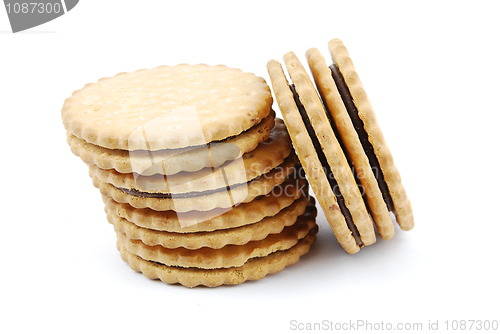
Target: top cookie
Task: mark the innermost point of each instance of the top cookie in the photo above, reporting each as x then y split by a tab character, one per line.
167	107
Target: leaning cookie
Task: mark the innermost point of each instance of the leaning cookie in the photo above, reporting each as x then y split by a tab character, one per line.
322	159
351	142
363	118
330	153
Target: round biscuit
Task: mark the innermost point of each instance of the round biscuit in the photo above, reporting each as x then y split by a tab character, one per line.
402	206
168	162
215	239
227	256
267	156
219	198
167	107
197	221
254	269
309	159
354	150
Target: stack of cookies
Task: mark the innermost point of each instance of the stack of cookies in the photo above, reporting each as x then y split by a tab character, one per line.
198	177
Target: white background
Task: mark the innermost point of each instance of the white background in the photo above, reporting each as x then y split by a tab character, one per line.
431	70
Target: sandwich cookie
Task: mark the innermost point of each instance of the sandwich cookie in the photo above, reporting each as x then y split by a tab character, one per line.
226	197
254	269
362	117
168	107
228	265
267	156
220	219
321	155
226	256
169	119
350	140
215	239
168	162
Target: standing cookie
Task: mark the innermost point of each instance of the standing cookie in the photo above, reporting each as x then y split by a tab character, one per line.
341	147
351	142
321	175
363	118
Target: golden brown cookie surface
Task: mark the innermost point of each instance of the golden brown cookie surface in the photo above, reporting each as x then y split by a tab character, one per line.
371	136
168	162
167	107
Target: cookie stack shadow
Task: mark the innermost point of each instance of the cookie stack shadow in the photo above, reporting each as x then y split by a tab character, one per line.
226	208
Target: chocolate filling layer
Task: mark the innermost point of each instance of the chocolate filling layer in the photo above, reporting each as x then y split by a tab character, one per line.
138	193
326	168
352	110
271	114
